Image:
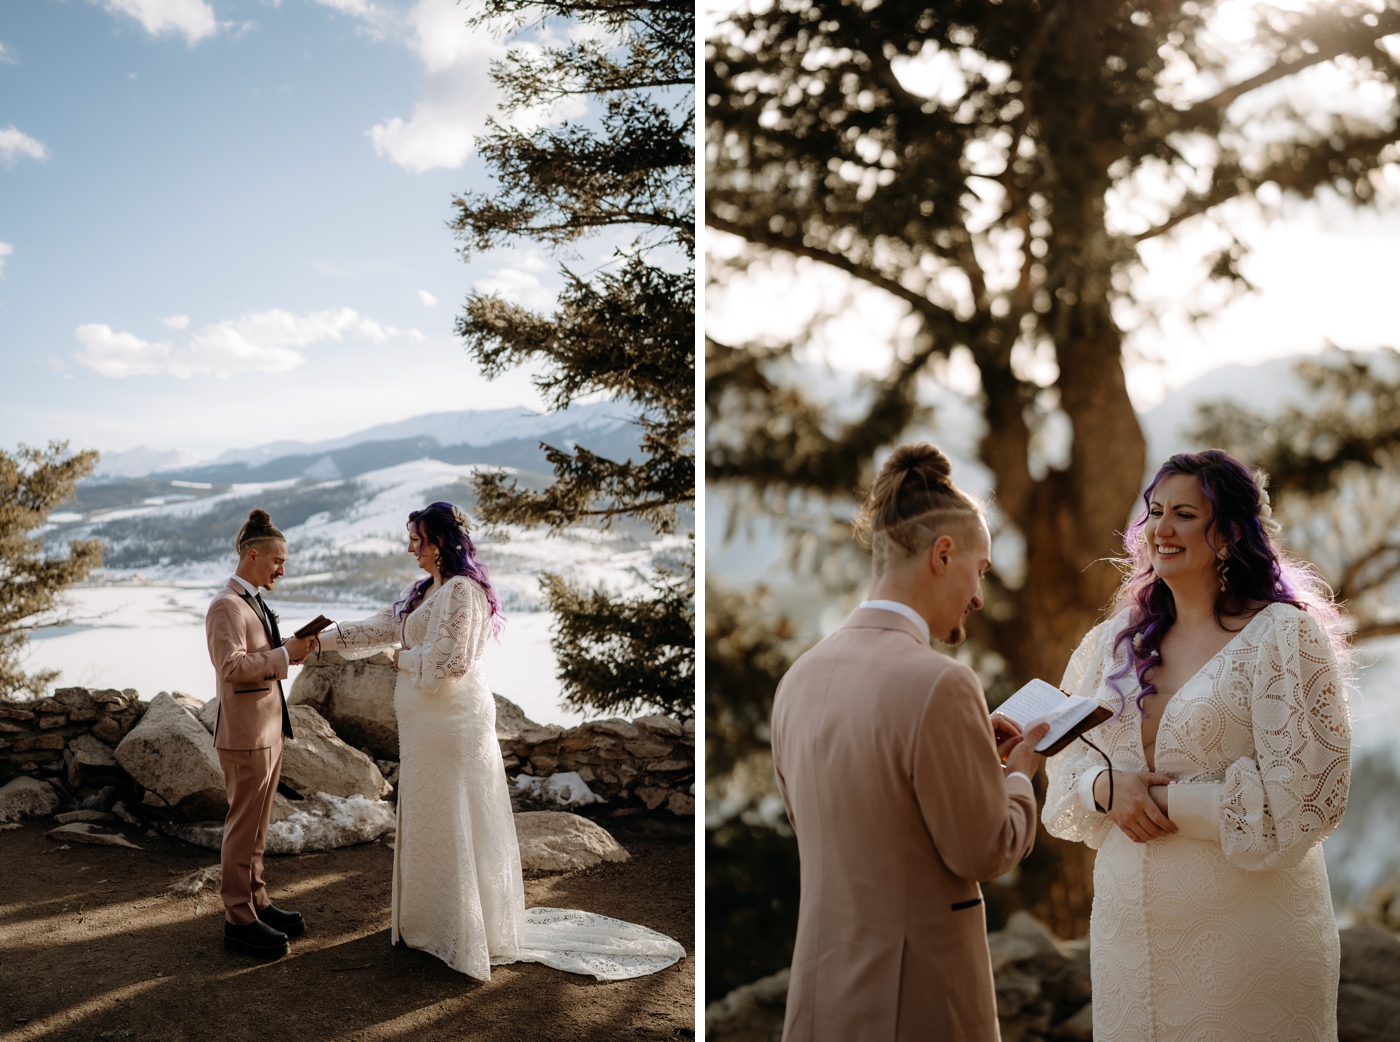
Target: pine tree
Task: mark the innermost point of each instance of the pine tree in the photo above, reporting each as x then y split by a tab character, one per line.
32	483
628	332
996	169
1333	464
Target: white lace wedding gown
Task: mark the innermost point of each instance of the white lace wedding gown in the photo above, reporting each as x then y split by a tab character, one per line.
1225	930
457	888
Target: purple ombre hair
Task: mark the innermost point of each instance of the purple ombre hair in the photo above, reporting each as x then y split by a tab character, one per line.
445	527
1260	574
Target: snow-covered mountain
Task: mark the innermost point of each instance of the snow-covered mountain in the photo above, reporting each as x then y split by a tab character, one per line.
481	427
510	437
343	504
1264	388
140	461
472	427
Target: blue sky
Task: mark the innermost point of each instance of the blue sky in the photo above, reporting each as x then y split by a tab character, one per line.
222	222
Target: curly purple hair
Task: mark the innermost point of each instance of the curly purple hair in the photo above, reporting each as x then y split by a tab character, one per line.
445	527
1260	573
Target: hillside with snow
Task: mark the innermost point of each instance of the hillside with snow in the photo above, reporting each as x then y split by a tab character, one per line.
343	505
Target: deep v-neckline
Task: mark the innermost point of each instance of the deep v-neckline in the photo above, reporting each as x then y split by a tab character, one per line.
1174	696
403	623
425	600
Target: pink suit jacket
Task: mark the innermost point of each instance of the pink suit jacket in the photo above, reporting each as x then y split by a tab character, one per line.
888	768
250	671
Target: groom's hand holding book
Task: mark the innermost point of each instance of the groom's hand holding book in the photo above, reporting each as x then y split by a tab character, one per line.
1017	750
305	640
1135	801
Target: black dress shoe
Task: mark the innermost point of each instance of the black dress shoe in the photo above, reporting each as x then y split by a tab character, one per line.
290	923
257	938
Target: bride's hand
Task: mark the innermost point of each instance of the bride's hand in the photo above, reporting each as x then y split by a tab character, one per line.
1134	809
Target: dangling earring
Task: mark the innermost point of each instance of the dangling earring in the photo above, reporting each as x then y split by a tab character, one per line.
1220	558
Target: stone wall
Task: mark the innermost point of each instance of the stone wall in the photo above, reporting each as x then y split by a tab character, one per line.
69	736
650	760
644	763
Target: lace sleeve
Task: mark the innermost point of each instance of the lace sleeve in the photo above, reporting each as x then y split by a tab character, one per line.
1065	814
1272	808
358	639
456	621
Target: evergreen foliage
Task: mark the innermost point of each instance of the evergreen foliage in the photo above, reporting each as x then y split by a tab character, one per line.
996	168
628	332
1333	460
32	483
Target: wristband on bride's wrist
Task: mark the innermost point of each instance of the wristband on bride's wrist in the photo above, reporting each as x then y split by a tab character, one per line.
1091	745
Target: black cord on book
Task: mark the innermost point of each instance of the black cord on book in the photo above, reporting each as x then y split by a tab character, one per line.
1106	760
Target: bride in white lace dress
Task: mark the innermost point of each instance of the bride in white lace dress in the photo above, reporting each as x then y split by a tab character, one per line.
1212	917
457	889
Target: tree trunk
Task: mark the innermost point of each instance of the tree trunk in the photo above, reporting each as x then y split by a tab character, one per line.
1072	522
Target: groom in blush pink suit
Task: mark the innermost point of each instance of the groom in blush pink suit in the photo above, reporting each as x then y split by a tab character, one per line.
890	769
251	660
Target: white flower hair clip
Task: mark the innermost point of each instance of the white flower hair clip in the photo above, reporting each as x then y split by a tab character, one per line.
1137	646
1266	513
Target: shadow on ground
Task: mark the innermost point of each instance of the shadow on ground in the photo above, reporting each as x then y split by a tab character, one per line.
94	947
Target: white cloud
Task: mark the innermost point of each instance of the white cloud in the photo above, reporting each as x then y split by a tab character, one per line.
176	321
355	8
5	250
15	144
6	56
192	19
259	342
427	298
519	282
458	95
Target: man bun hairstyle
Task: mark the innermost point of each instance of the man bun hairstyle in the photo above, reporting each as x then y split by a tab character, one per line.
912	502
257	532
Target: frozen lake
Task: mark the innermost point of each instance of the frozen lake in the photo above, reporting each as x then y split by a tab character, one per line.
151	637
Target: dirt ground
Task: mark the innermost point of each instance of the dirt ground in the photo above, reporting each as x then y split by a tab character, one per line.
94	947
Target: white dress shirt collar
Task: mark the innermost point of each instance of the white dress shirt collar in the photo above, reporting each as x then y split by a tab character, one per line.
901	609
252	590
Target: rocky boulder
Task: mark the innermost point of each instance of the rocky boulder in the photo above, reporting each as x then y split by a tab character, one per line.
89	761
1043	990
356	697
555	841
1368	1000
208	713
751	1013
172	756
510	718
319	822
93	835
318	761
28	797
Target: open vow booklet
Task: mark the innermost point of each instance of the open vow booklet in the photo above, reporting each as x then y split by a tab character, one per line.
1069	716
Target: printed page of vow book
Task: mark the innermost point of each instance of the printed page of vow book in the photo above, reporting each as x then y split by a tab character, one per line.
1068	715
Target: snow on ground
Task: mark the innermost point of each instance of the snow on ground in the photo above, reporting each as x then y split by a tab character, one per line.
151	637
144	628
620	561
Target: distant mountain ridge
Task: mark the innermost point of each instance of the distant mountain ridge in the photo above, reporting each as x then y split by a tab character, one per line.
501	437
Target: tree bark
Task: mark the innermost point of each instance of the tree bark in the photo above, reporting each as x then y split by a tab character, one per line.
1072	522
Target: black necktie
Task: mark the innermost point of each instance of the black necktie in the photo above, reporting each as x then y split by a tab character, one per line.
269	620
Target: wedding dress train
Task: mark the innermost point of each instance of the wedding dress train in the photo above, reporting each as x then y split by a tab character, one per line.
458	891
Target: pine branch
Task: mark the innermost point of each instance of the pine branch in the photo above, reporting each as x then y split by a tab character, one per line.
1329	41
941	317
618	654
32	483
